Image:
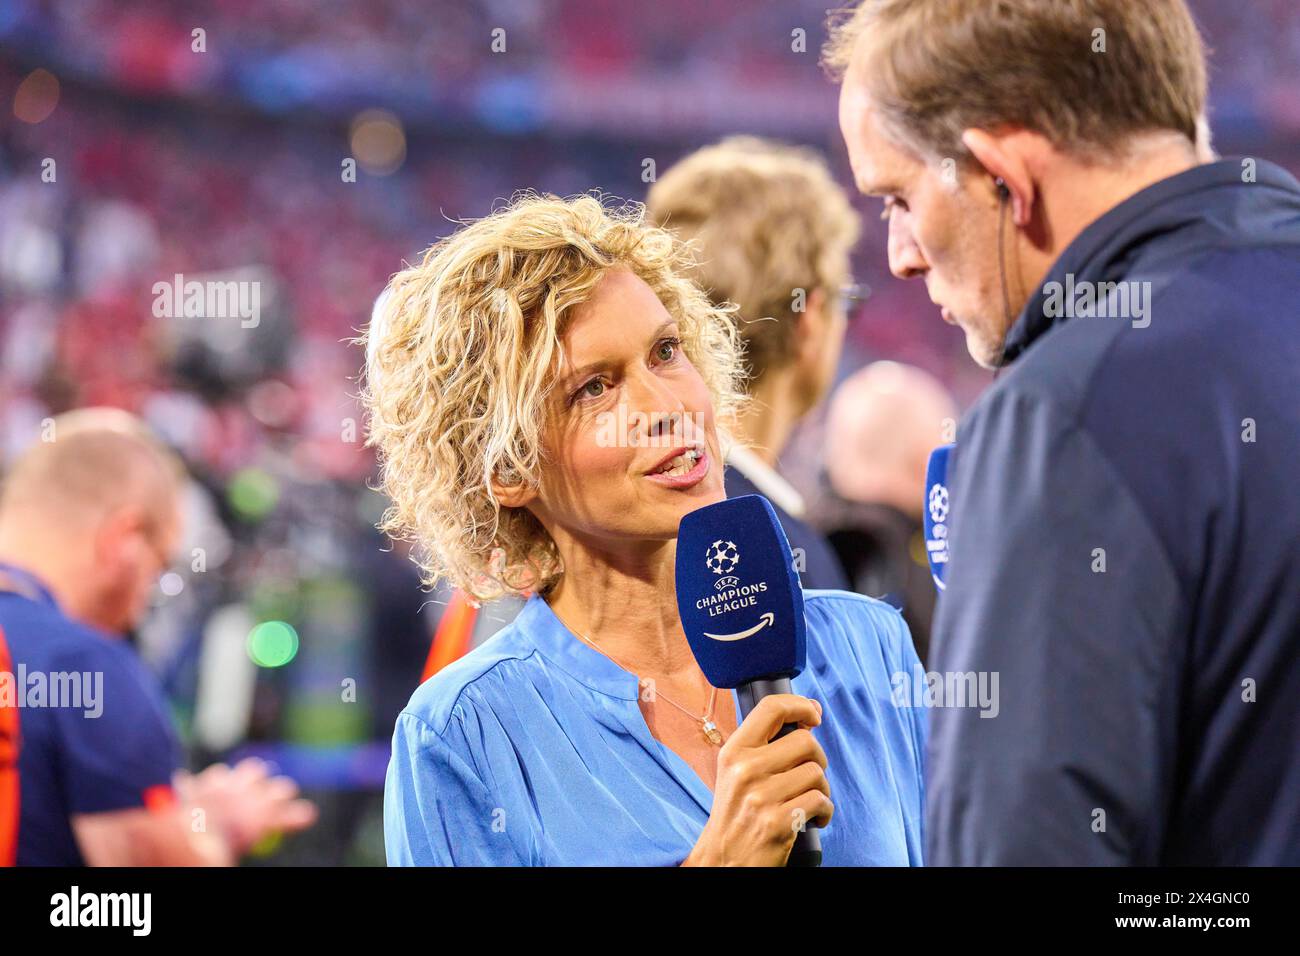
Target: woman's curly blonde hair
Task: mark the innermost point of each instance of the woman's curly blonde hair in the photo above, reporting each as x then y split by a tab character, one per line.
462	353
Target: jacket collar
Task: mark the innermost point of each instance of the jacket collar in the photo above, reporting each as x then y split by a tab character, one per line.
1106	249
22	582
766	479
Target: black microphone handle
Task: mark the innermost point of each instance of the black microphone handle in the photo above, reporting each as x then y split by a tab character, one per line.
807	849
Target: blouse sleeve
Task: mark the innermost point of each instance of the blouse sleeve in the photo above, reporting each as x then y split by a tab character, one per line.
878	640
437	809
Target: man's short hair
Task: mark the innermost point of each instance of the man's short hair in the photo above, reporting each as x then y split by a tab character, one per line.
1087	74
89	462
764	219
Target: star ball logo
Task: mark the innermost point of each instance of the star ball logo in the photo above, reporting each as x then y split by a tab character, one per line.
722	557
938	504
936	538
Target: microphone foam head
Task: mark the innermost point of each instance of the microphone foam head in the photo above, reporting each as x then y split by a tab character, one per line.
738	595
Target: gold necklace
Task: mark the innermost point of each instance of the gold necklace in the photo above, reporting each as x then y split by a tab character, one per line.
711	731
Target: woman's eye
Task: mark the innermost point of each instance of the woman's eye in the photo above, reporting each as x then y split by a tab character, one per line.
891	203
668	346
593	389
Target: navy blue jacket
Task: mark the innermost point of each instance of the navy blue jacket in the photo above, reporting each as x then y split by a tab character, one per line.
1125	553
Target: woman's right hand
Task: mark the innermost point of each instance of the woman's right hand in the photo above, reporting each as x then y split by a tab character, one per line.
766	790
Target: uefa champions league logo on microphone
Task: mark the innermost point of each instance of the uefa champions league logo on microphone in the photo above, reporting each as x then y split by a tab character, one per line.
938	504
722	557
936	543
938	509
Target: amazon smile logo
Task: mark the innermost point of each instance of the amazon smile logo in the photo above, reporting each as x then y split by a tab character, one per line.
765	621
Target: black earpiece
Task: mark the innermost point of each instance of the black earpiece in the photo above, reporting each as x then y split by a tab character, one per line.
1003	191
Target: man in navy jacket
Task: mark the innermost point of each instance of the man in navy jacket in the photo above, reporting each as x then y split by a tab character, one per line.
1125	530
89	519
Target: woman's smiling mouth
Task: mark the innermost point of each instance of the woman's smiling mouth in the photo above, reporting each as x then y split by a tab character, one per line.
683	470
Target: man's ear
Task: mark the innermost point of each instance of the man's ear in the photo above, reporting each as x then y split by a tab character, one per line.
1006	164
111	535
513	494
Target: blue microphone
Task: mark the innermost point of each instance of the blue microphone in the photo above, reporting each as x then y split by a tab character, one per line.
741	607
938	509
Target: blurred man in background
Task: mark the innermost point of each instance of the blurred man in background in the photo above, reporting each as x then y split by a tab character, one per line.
88	522
773	231
1124	521
884	421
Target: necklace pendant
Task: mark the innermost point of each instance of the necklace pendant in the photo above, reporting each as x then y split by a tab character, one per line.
711	731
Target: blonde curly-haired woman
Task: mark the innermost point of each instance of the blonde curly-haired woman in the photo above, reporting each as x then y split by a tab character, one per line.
549	396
